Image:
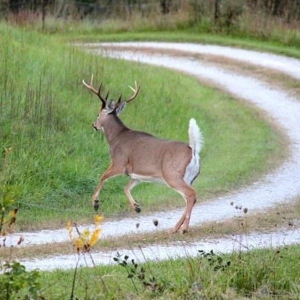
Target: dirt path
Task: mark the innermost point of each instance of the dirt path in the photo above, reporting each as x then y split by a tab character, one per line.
279	186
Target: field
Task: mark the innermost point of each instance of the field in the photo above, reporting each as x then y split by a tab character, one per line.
56	158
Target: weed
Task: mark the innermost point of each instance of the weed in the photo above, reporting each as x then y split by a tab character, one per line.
83	244
135	272
216	262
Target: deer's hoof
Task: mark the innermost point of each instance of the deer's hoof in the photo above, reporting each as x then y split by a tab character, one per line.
96	205
137	209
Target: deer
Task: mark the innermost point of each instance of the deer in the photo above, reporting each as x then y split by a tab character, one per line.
146	158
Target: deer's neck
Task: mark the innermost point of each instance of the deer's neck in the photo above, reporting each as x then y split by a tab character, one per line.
112	128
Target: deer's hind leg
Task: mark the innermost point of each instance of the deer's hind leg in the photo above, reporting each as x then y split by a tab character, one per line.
112	171
189	194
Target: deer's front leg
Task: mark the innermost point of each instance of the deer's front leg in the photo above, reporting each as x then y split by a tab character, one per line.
110	172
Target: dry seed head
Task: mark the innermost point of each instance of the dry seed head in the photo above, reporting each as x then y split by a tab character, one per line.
245	210
137	225
21	239
155	222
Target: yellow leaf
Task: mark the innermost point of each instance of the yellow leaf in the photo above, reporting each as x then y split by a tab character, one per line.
95	237
86	234
79	243
98	219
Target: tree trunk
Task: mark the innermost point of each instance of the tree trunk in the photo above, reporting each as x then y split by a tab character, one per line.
14	6
165	6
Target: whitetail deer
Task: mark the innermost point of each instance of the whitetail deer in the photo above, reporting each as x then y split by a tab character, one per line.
144	157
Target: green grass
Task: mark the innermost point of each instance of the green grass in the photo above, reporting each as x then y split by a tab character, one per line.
189	36
46	117
259	274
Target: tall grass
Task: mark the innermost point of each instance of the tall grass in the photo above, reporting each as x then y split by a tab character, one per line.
236	18
259	274
46	117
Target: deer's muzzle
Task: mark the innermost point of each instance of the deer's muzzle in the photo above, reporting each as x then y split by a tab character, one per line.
95	127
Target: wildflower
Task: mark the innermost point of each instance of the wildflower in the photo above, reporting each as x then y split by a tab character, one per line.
87	238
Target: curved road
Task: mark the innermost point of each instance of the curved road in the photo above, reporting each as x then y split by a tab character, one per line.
279	186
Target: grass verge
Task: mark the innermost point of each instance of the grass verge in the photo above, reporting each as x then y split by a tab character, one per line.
57	158
259	274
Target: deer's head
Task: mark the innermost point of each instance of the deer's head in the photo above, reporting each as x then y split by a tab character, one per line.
109	107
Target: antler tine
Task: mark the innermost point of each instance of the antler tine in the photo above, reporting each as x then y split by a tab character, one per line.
107	95
136	90
97	92
119	100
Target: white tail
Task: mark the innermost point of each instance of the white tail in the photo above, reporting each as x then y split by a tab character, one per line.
195	137
144	157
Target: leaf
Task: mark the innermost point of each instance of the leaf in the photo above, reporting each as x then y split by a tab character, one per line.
85	235
95	237
79	243
98	219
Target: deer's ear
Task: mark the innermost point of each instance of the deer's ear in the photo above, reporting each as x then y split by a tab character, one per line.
110	106
120	108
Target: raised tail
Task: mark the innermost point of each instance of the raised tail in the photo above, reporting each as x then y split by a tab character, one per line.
196	140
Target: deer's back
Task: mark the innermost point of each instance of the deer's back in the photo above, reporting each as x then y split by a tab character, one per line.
143	154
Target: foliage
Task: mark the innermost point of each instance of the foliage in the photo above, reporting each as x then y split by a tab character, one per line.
136	272
87	239
17	283
83	244
7	194
256	274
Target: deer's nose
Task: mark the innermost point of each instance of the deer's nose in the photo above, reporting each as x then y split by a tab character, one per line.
94	126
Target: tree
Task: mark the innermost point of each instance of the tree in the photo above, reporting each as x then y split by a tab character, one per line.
14	6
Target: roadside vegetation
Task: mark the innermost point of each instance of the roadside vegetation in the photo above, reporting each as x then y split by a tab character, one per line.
55	158
259	274
271	25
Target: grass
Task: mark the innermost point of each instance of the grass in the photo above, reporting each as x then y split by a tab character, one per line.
251	30
57	158
259	274
189	36
45	116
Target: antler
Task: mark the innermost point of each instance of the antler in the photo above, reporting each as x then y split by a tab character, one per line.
136	90
97	92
